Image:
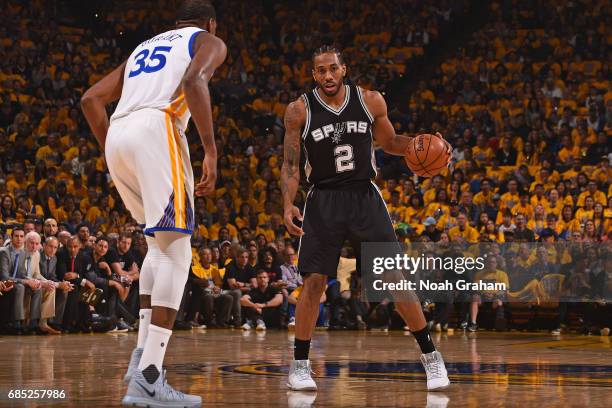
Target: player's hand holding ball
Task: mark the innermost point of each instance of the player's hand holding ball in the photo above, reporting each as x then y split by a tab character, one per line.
428	155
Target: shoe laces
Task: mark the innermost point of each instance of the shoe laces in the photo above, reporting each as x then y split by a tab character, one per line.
303	371
433	366
172	393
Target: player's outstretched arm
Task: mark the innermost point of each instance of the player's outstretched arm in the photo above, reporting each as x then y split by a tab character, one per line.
295	117
209	53
95	99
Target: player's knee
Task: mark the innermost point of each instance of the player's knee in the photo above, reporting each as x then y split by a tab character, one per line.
171	269
168	288
147	273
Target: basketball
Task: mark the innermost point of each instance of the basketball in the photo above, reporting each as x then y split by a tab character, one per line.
427	155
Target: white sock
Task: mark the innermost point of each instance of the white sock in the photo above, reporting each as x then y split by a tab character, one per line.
155	347
143	326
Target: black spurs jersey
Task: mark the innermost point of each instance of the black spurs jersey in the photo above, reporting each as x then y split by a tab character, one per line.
338	144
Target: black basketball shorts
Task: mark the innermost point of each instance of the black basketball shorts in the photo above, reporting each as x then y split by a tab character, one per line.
332	216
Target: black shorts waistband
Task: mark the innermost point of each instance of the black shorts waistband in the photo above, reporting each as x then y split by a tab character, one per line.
363	185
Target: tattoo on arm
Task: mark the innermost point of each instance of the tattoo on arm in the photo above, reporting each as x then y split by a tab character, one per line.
290	174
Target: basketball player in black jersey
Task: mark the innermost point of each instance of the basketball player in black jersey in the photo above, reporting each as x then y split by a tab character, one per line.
336	124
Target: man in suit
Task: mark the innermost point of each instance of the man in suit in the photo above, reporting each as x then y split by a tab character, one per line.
39	295
72	267
48	269
6	301
13	299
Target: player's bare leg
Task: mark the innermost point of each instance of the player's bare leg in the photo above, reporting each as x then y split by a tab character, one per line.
306	314
412	314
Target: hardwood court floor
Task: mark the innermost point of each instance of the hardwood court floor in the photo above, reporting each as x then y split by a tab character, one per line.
373	369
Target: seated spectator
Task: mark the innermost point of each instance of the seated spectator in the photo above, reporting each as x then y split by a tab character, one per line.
215	229
50	228
491	274
10	256
521	232
48	269
6	305
238	280
289	271
63	237
253	254
262	304
506	224
127	270
225	254
28	226
431	231
592	191
99	271
507	155
47	287
207	298
72	266
83	233
268	261
463	232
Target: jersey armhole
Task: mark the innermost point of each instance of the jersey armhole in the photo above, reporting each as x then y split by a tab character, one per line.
192	42
307	124
363	104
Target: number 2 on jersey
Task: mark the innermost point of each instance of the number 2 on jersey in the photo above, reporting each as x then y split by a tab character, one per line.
144	65
344	158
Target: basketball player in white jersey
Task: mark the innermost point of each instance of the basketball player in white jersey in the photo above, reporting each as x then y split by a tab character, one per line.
162	83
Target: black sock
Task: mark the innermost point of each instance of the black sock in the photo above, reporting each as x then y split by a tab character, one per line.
151	373
424	339
301	349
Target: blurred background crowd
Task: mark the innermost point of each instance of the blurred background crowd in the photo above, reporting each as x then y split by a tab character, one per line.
520	88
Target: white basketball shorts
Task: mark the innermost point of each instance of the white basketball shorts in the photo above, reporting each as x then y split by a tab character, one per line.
148	160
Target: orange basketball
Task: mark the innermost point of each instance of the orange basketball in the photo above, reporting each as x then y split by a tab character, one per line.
427	155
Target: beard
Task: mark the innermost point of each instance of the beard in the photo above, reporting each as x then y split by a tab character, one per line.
332	93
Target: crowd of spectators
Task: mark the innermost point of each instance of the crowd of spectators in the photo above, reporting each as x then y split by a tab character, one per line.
526	103
527	106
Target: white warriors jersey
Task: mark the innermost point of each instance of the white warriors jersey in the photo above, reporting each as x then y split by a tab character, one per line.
153	75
